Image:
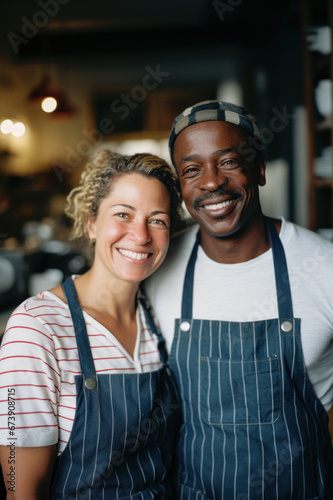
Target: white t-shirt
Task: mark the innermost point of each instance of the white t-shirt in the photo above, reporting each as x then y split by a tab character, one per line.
39	360
246	292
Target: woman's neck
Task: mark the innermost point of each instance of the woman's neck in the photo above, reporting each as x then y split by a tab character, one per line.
111	296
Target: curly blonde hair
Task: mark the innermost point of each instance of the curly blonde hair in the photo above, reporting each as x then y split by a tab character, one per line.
96	183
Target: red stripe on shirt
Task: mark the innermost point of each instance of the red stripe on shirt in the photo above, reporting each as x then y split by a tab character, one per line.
26	328
33	357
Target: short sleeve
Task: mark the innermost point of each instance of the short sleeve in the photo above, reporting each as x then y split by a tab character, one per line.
29	381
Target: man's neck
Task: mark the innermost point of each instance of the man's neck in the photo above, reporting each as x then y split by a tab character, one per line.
246	244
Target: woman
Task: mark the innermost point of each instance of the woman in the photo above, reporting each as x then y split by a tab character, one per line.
89	405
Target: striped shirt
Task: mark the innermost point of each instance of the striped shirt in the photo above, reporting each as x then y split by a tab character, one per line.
39	360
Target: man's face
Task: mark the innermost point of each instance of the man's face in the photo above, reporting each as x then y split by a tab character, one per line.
219	184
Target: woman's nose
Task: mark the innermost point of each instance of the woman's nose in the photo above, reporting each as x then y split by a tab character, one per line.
140	233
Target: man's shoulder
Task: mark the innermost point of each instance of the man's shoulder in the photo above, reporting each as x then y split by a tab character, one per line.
294	234
183	240
307	249
181	245
175	262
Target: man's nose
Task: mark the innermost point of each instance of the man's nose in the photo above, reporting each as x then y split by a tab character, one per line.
213	177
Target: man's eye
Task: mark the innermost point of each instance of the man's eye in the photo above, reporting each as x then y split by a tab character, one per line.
229	164
190	171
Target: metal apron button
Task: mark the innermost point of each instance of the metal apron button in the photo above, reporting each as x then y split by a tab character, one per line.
286	326
185	326
90	383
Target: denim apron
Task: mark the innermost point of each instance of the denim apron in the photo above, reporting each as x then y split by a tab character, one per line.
253	428
122	441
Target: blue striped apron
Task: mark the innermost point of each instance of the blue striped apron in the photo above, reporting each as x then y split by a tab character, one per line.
253	428
122	441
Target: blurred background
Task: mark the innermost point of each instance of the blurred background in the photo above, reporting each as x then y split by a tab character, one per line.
115	74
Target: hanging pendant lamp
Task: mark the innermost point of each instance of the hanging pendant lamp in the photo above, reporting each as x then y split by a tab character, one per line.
46	90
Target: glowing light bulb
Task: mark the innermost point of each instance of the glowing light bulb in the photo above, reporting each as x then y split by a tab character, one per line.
6	126
49	104
18	129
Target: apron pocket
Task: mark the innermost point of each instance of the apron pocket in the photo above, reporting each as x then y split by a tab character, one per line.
187	493
240	392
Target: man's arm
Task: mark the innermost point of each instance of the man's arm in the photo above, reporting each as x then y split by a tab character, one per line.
27	472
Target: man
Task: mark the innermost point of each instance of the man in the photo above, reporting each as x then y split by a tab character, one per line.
245	303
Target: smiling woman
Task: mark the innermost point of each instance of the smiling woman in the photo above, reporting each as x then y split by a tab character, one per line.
97	178
90	353
131	238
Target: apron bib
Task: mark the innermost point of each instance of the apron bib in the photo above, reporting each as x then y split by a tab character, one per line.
253	428
122	441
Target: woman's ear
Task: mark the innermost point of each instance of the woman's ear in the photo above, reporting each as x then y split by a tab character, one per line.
91	228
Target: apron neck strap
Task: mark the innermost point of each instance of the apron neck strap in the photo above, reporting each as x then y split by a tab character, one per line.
85	356
152	326
280	269
283	292
187	300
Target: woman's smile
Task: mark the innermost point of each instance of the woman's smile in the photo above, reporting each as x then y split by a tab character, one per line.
134	255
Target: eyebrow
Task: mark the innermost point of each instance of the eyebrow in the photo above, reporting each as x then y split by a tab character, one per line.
123	205
189	158
155	212
197	157
224	151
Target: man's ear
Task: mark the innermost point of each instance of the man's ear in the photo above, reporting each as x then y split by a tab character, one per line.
91	227
261	167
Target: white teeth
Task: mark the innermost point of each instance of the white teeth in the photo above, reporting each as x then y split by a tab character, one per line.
134	255
217	206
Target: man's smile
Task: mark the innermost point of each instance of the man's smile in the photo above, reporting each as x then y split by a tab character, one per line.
217	206
216	200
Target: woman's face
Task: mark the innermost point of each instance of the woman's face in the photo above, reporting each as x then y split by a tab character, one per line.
132	228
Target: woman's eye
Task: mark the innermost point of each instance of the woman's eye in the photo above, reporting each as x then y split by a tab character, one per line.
122	215
159	222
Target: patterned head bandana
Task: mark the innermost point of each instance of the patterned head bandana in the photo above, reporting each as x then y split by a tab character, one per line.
211	111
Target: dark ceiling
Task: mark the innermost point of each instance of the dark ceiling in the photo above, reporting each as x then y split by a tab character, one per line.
33	29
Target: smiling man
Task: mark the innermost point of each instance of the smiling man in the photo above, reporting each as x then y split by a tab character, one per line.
220	189
245	303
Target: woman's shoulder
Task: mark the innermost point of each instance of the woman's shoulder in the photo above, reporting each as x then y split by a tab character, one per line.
58	292
37	309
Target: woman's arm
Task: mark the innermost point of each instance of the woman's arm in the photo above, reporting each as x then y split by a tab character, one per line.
30	379
27	472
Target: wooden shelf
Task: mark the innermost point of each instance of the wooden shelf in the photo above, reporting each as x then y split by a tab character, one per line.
324	125
317	66
320	182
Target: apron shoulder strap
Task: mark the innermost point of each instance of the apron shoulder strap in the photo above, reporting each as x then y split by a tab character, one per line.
153	328
284	300
187	300
283	292
85	356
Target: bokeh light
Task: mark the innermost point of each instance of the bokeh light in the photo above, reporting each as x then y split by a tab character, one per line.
18	129
6	126
49	104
